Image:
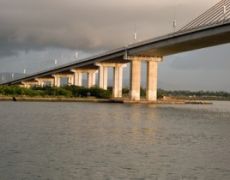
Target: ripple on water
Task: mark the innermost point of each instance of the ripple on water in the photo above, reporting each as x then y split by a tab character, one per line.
113	141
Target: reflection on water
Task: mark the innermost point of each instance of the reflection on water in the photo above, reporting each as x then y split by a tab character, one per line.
113	141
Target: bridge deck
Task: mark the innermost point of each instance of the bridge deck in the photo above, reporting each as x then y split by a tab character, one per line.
210	29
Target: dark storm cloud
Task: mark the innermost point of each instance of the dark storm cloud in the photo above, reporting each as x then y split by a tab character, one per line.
86	25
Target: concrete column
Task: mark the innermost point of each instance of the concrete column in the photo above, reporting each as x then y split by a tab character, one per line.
40	82
57	82
117	81
25	84
151	89
52	82
91	77
22	85
29	84
94	79
77	78
103	77
71	80
135	79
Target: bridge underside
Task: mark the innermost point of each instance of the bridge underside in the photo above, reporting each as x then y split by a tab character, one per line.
150	51
183	43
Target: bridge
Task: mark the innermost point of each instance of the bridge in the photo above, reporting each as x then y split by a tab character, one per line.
209	29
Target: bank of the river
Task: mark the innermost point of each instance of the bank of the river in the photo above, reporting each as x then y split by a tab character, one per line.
57	99
95	94
99	100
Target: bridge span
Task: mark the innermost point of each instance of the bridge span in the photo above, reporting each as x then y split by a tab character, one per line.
210	29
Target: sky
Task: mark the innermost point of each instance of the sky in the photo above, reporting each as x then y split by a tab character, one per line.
33	34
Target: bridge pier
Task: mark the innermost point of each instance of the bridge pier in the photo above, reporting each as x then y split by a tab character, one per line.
57	79
41	81
117	76
77	77
117	80
152	77
91	78
103	76
70	79
135	77
25	84
29	84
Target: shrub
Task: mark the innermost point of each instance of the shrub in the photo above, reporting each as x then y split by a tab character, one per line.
63	92
125	91
142	92
100	93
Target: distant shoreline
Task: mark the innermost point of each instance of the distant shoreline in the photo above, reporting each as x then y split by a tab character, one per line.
98	100
96	94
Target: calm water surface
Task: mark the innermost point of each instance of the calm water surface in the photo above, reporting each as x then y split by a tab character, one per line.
64	141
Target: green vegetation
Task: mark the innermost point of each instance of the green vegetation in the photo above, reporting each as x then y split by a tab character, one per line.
125	92
67	91
202	95
192	95
76	91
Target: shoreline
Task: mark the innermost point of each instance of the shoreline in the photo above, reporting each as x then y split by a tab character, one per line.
97	100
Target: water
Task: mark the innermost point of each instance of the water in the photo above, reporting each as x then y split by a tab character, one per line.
64	141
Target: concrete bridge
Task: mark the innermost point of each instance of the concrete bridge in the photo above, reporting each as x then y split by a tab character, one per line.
210	29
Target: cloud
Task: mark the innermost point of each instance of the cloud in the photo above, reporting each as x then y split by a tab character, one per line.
87	25
214	58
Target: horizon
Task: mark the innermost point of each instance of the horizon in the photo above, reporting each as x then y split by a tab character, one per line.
190	70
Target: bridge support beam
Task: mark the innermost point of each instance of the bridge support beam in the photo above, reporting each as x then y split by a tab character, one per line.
57	79
29	84
135	77
25	84
117	76
70	79
103	77
91	78
42	81
77	77
117	80
152	73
